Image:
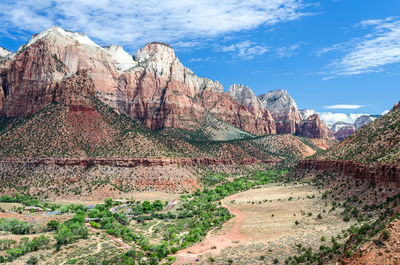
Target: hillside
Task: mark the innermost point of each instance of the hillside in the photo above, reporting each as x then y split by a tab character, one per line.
79	147
60	131
375	142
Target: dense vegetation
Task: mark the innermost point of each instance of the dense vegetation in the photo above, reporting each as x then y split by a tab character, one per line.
189	223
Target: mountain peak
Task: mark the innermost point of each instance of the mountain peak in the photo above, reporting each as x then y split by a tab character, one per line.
156	51
278	101
238	89
4	52
58	32
123	60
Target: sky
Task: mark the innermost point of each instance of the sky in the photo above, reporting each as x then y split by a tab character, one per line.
339	57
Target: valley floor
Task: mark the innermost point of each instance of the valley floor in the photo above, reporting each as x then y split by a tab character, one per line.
265	228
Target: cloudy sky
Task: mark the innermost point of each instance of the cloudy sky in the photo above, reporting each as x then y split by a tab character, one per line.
340	57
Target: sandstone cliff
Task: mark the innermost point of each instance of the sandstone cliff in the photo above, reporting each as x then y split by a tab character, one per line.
362	120
344	132
283	109
374	173
154	88
314	127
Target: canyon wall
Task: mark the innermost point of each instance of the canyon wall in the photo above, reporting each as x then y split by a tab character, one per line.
134	162
374	173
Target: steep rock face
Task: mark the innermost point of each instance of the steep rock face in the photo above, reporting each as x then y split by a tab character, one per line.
154	87
37	67
246	97
344	132
314	127
283	109
161	92
374	173
362	120
4	52
339	125
305	113
122	60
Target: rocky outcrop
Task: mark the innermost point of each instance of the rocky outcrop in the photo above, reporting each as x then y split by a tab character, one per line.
154	87
38	68
163	93
134	162
4	52
314	127
362	120
339	125
374	173
246	97
344	132
283	109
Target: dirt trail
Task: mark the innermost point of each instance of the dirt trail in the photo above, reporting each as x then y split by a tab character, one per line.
215	243
113	238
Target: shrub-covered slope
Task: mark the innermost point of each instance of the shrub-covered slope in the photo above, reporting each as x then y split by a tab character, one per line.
378	141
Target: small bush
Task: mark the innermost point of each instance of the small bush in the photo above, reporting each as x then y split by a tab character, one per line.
385	234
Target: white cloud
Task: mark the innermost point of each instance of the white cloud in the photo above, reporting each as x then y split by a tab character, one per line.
288	51
344	106
330	118
385	112
133	23
246	50
372	52
205	59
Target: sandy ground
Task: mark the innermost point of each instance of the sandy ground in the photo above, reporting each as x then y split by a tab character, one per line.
215	243
265	228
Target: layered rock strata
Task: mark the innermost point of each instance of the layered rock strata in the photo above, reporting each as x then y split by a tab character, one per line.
374	173
154	87
133	162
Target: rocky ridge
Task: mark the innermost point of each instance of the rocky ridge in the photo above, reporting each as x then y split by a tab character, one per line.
314	127
377	141
373	173
283	109
362	120
153	87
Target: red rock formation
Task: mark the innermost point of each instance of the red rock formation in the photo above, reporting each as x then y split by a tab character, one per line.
374	173
122	162
344	132
283	110
155	88
314	127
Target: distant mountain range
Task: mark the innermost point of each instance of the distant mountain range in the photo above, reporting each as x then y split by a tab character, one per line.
342	130
153	87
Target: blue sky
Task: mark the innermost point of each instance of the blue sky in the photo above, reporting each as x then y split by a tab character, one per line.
339	57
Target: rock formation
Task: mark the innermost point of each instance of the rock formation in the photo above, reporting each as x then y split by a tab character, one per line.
314	127
344	132
283	109
154	87
374	172
4	52
246	97
362	120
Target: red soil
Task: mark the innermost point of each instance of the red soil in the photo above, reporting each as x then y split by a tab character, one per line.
213	243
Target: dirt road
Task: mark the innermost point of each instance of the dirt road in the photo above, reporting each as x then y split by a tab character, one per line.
214	243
